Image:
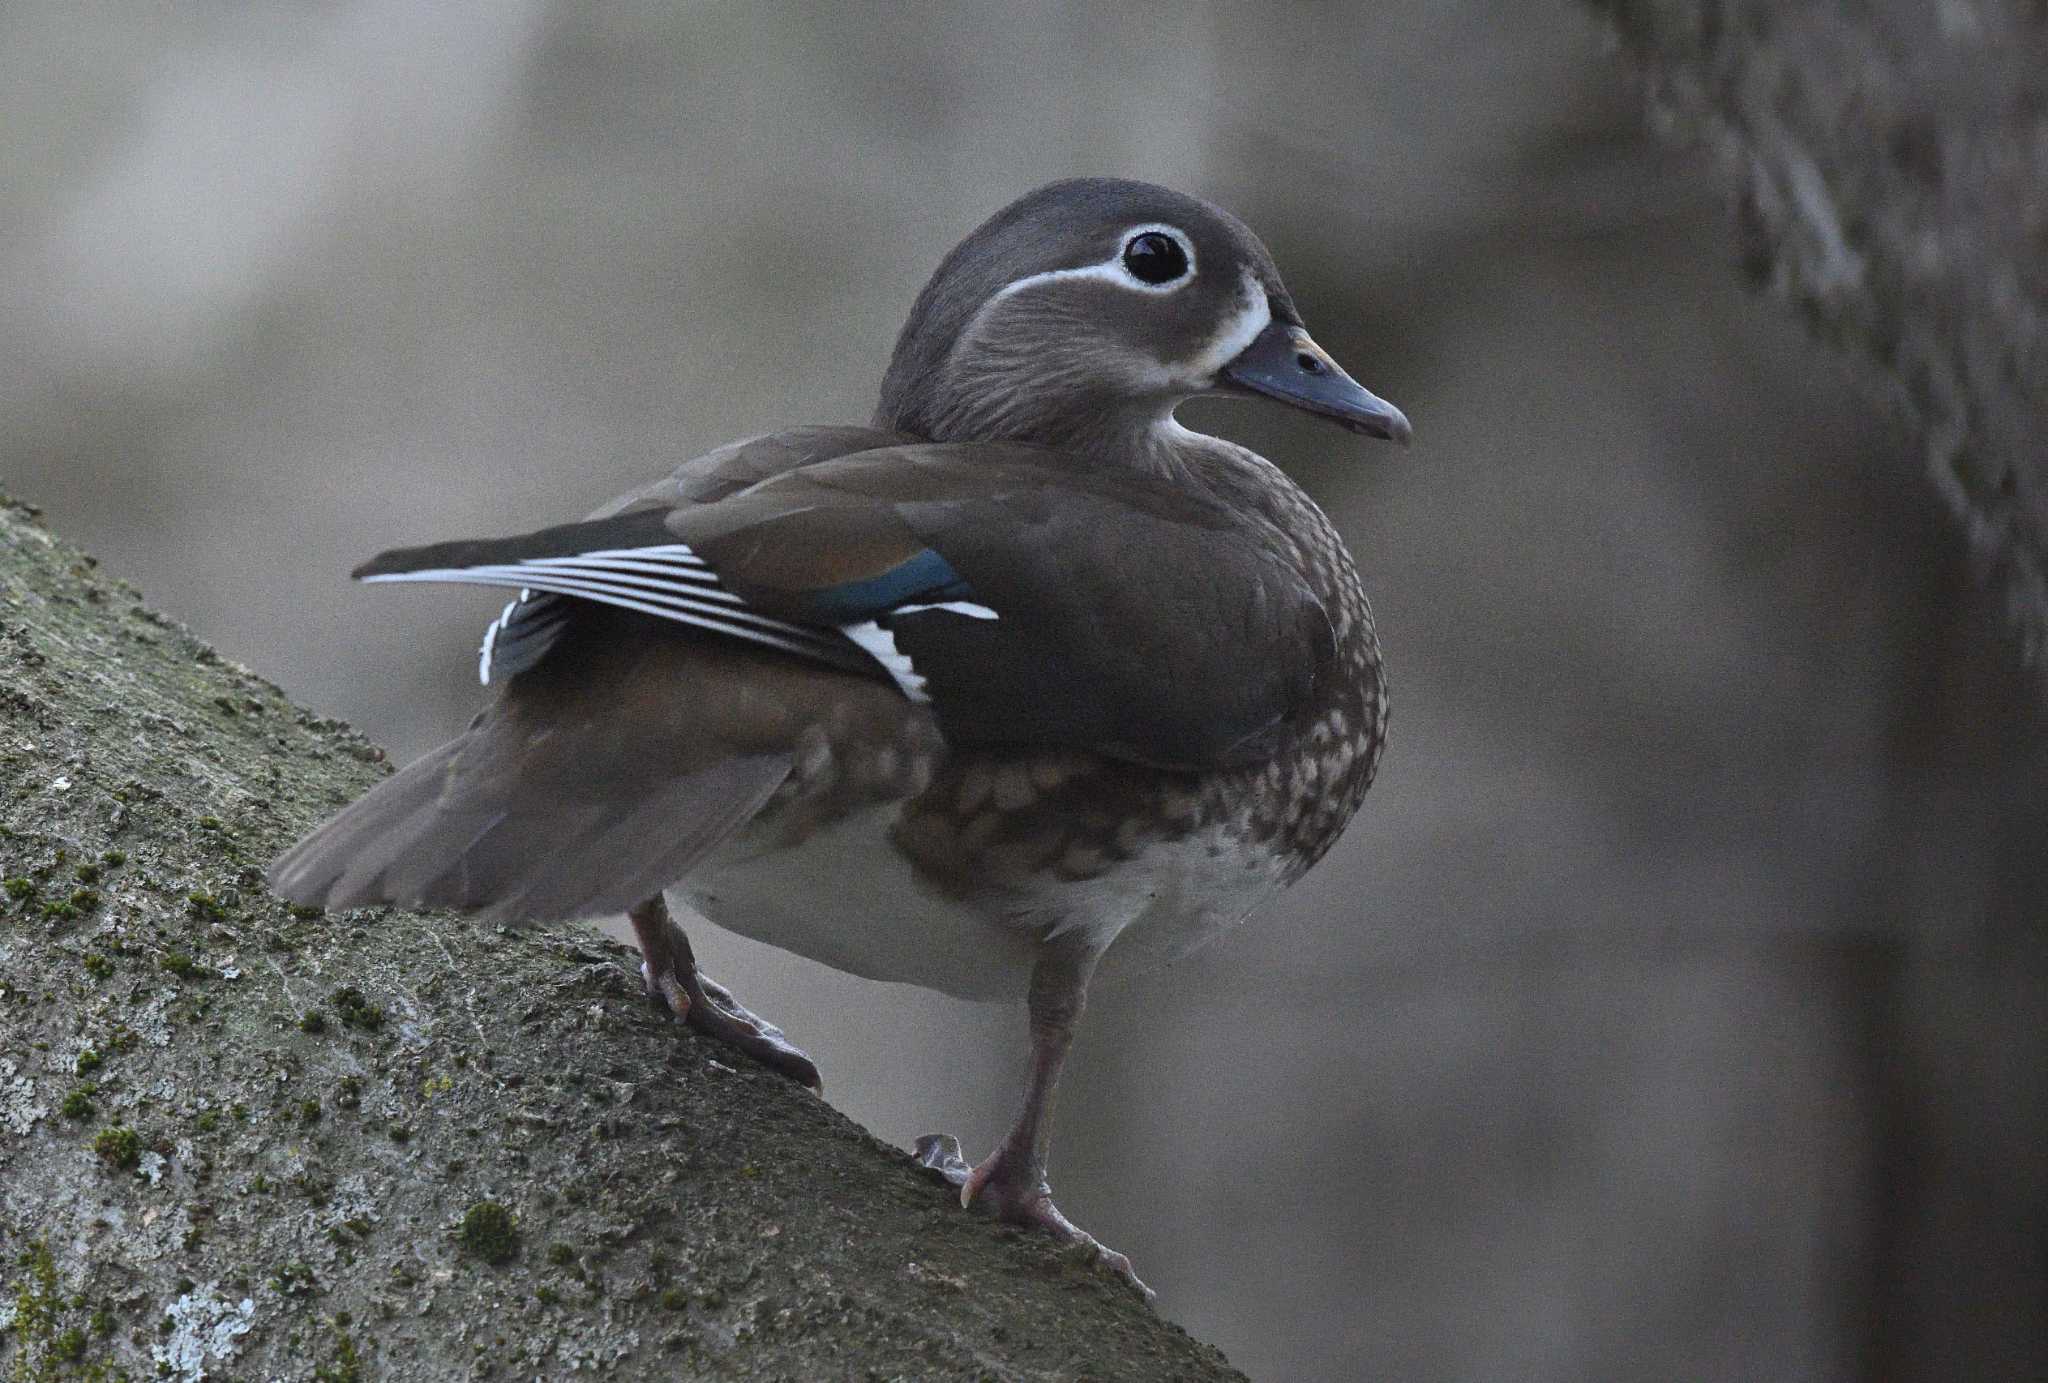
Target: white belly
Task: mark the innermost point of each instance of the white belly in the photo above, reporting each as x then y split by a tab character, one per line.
848	898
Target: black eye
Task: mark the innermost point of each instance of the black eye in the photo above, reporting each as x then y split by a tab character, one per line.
1155	258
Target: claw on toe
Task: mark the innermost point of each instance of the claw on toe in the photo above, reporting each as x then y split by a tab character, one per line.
705	1006
939	1153
715	1013
664	995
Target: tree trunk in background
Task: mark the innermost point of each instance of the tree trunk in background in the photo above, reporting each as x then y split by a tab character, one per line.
1891	166
241	1141
1890	163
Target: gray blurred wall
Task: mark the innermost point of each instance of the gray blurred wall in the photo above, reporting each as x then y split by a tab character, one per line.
1673	1010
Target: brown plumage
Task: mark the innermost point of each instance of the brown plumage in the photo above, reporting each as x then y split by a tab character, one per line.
1020	677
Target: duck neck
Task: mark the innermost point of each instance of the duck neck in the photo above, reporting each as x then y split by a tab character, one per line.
1137	435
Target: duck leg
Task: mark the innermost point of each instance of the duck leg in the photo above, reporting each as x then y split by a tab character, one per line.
1011	1180
676	986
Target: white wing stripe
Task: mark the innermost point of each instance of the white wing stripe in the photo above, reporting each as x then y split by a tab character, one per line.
791	638
694	588
674	570
676	552
550	579
672	582
576	584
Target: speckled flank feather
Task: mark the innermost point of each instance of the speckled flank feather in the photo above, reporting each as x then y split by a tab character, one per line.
969	853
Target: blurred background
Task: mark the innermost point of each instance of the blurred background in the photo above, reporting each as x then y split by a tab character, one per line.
1675	1007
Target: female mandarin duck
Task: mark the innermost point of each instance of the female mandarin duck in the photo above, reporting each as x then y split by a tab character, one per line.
1022	674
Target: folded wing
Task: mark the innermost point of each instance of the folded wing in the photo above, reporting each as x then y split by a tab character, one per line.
1029	600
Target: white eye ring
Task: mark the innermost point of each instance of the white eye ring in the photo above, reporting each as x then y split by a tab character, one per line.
1157	259
1114	270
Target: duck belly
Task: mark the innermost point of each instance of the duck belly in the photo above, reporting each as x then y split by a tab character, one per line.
847	897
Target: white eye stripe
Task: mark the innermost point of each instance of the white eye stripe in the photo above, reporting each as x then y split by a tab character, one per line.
1112	270
1254	315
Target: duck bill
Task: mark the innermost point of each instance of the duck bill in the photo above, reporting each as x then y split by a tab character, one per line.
1284	362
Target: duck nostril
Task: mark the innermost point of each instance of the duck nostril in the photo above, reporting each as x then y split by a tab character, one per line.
1309	363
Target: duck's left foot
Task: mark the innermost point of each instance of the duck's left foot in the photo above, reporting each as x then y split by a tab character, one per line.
715	1013
674	984
1015	1197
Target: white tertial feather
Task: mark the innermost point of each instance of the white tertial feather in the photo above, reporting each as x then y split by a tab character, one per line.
957	607
491	632
879	644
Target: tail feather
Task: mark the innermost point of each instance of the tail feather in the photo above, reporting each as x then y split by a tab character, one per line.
338	864
458	829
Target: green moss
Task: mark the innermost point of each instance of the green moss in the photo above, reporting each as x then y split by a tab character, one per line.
294	1280
78	903
561	1255
88	1062
347	1364
20	889
204	907
314	1022
114	859
97	965
489	1232
42	1349
78	1104
309	1111
118	1146
356	1011
207	1121
87	873
184	967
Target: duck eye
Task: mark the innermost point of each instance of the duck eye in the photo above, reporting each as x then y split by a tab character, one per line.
1155	258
